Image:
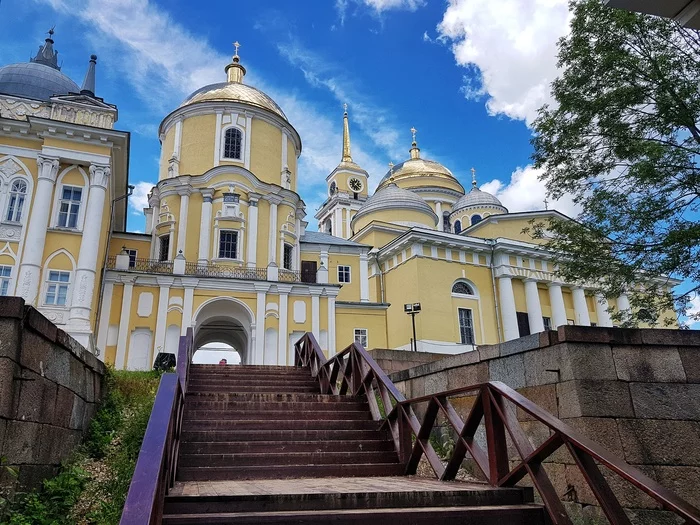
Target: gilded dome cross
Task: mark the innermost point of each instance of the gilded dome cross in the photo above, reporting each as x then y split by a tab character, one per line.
413	132
236	45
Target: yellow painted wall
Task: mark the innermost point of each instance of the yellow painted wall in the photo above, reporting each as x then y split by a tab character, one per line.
197	147
506	228
349	291
347	319
376	238
266	152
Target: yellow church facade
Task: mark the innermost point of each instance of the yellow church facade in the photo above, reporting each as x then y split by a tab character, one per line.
227	249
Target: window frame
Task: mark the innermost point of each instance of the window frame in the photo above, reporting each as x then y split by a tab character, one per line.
460	294
547	322
341	268
222	153
458	226
237	245
22	195
132	260
475	219
471	327
78	213
5	280
48	282
287	247
160	247
365	335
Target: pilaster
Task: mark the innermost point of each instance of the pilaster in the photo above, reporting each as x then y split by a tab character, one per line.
205	226
580	306
508	312
556	299
252	254
124	323
534	308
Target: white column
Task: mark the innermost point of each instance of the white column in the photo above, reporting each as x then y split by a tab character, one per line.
331	326
178	139
29	275
283	335
556	299
315	314
438	212
252	255
105	311
148	212
260	329
84	284
182	222
364	278
338	226
248	137
124	324
534	309
205	226
272	241
508	315
217	138
162	320
187	308
580	306
623	305
601	310
348	231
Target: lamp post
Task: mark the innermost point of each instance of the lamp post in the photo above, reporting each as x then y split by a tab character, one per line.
412	309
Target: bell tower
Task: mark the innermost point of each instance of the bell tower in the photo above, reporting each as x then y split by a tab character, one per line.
347	191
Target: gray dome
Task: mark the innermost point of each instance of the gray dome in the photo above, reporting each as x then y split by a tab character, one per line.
35	81
477	198
392	197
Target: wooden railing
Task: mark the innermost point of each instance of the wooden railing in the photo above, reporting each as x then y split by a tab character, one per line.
156	466
353	372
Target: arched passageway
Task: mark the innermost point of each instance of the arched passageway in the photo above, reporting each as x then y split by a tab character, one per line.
213	353
228	322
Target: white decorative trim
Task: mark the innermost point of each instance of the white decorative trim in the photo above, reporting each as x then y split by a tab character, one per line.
59	193
248	138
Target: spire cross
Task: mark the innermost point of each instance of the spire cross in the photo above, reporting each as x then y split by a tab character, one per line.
345	107
473	177
51	32
546	203
391	168
236	45
413	132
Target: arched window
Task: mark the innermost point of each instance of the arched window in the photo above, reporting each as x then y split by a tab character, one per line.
18	192
232	143
462	288
476	219
458	226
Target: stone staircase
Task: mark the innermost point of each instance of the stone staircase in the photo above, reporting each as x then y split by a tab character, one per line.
260	444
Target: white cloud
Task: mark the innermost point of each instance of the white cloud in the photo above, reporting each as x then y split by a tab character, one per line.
525	192
386	5
139	199
509	49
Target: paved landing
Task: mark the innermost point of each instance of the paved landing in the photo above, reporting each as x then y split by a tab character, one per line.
320	486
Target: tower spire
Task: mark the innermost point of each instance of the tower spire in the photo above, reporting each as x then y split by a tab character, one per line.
415	150
235	71
473	178
347	156
46	54
89	82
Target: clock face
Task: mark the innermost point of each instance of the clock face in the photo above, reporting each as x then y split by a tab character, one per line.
355	185
333	188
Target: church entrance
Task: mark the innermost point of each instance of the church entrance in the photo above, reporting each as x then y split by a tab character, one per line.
223	330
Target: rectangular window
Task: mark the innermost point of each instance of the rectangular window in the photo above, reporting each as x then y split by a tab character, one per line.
228	244
132	257
343	274
57	288
163	248
523	323
361	336
466	326
547	321
5	272
287	259
69	206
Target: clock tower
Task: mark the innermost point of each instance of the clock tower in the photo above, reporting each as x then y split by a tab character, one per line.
347	191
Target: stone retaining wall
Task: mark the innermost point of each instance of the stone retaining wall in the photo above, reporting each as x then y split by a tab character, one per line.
50	387
395	360
636	392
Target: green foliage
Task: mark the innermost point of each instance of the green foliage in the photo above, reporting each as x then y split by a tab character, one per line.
623	139
443	442
92	485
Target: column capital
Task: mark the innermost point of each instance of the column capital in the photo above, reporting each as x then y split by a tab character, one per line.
555	284
253	198
273	199
48	167
99	175
185	191
207	194
531	280
165	282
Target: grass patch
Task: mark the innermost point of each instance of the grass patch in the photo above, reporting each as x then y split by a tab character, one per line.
92	485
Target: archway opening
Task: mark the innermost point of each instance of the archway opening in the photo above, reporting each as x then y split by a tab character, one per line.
216	353
223	327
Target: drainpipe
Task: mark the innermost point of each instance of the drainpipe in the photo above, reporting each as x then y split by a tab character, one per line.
493	284
104	261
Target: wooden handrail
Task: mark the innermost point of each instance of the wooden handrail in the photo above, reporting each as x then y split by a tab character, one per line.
156	465
354	372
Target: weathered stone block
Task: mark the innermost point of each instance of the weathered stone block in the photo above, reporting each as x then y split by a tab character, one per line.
7	386
89	385
64	407
55	364
33	354
681	480
522	344
9	337
36	398
653	517
464	376
31	476
78	412
24	443
63	442
544	396
660	442
648	364
690	357
435	383
671	337
510	370
35	321
488	352
603	431
70	344
627	494
77	378
594	399
666	401
567	361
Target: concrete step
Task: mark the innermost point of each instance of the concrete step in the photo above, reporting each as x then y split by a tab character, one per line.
369	499
489	515
225	447
288	471
291	413
265	397
246	372
272	406
274	459
241	383
273	425
271	389
249	368
191	436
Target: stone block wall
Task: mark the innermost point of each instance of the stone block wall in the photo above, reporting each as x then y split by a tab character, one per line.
395	360
636	392
50	387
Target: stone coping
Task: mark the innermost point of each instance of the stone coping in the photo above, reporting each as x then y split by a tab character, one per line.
32	319
568	334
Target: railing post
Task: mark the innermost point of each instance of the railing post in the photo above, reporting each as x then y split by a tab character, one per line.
495	439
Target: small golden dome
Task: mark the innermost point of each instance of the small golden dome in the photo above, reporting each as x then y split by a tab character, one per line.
234	92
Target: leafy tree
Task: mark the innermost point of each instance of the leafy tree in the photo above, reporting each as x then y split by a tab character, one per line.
623	139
